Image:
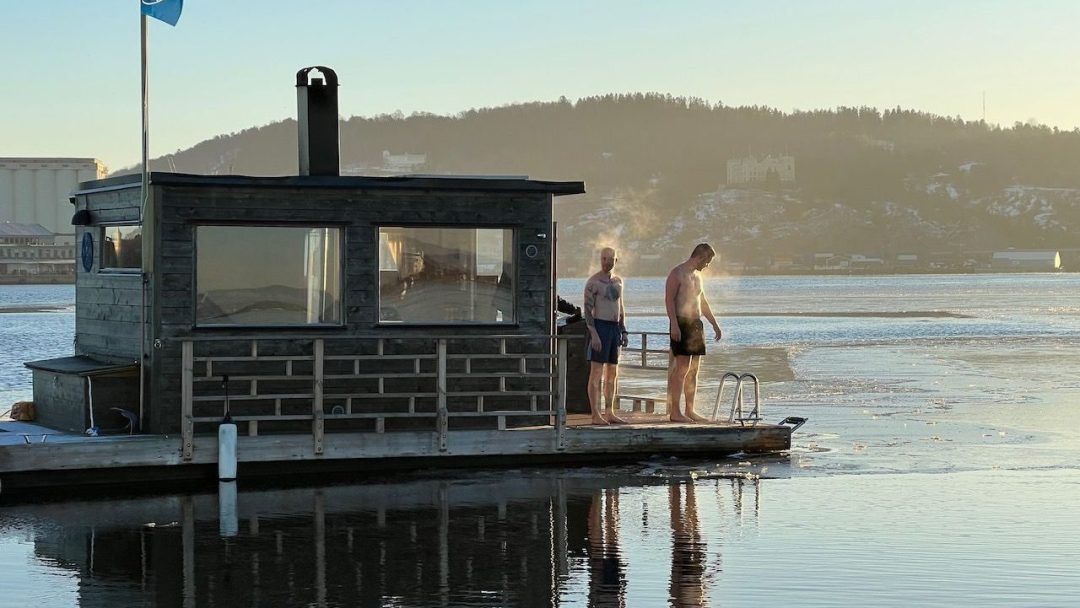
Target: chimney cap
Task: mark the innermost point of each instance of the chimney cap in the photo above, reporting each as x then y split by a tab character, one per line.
328	74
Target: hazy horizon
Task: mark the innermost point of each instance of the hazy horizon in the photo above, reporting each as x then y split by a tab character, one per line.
226	68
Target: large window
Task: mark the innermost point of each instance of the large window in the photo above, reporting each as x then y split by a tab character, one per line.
446	275
121	248
268	275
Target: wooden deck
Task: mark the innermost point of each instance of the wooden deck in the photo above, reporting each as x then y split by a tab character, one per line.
33	456
28	462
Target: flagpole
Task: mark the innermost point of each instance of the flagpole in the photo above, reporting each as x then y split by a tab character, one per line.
147	229
145	109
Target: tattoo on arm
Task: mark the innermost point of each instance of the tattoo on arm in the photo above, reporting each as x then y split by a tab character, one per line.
589	307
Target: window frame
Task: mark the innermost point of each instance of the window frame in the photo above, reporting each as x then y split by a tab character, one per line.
117	270
514	261
343	232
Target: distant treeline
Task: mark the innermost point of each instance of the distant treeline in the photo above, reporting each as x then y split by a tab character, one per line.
624	140
867	180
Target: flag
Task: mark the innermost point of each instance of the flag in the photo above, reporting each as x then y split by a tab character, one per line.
164	10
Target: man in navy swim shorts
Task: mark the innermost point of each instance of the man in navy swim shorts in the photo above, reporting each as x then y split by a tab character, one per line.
605	317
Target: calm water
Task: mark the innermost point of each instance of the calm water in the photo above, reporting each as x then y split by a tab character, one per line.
940	466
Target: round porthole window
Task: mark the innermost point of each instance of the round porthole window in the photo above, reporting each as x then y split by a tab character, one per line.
87	251
531	251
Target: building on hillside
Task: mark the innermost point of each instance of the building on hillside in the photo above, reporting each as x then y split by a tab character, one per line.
907	260
751	169
402	163
36	190
1025	260
831	261
859	261
786	263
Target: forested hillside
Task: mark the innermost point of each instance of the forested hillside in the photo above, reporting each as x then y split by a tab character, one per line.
867	181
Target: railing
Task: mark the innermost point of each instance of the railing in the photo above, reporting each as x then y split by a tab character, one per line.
638	353
359	380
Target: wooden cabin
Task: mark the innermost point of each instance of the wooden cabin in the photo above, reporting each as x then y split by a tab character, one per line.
282	261
252	273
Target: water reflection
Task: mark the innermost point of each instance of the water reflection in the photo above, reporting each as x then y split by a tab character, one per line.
687	549
607	572
522	539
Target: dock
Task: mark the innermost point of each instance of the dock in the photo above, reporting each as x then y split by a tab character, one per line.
462	414
32	456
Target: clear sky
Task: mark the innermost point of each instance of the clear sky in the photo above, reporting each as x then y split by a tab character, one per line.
71	78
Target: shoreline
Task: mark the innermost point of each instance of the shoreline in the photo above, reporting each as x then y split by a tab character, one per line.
8	280
32	309
854	314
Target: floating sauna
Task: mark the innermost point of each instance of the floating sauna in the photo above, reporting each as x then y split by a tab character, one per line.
331	317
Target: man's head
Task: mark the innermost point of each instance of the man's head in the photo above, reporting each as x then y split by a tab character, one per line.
702	255
607	259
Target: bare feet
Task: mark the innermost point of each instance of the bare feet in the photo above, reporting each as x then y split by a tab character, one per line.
598	419
696	417
680	418
613	419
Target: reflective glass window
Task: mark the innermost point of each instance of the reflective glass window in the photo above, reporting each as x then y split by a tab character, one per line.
446	275
268	275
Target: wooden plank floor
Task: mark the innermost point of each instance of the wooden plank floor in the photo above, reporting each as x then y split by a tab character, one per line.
66	459
638	419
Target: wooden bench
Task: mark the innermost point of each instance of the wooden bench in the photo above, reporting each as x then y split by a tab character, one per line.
640	402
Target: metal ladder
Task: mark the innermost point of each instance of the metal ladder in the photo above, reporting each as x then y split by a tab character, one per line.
737	414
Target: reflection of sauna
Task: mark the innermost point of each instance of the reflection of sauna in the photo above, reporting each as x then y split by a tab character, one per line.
484	540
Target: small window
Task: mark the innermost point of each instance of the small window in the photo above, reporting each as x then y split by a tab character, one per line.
446	275
268	275
121	248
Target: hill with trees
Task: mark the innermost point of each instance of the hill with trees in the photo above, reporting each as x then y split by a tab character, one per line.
868	181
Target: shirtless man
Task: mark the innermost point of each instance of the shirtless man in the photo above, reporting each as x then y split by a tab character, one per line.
684	298
605	318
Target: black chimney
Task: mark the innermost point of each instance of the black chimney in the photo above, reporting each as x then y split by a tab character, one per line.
317	120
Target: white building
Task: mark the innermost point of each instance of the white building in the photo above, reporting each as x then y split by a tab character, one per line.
30	249
36	190
402	163
831	261
1025	260
750	169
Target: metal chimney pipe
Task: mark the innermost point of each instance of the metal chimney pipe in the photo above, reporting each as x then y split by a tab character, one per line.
317	121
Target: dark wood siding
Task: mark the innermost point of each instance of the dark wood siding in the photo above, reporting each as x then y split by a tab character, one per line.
108	313
360	212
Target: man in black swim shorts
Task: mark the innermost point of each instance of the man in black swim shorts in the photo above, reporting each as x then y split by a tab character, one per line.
692	338
684	298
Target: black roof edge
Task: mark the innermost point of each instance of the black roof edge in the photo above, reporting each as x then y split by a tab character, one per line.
405	182
80	365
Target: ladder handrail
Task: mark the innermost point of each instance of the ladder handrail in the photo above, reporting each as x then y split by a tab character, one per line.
737	398
755	414
720	391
